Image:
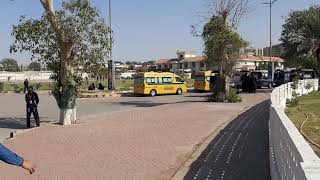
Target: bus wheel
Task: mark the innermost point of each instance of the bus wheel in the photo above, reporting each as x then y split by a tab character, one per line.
179	91
153	92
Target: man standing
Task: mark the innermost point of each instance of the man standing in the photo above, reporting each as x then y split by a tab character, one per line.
32	101
26	85
10	157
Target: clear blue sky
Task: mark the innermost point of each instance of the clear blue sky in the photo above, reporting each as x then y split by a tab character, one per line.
151	29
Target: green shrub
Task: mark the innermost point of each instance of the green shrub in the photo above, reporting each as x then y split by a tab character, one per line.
293	102
308	86
17	88
1	86
233	97
37	86
216	97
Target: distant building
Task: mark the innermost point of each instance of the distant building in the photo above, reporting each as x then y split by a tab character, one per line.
6	76
251	61
186	61
190	62
277	50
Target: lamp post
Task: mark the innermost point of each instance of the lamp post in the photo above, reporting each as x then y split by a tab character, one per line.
111	68
270	3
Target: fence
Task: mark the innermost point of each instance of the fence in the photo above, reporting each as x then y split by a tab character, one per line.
291	157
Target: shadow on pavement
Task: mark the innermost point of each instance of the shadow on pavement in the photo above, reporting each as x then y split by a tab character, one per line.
13	123
17	123
153	104
239	152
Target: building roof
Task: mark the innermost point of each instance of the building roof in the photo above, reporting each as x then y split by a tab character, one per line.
193	59
245	57
202	58
185	52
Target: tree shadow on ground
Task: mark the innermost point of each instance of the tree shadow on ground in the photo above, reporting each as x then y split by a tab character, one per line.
154	104
18	123
240	151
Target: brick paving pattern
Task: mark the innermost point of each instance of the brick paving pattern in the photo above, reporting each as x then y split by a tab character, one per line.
149	143
240	151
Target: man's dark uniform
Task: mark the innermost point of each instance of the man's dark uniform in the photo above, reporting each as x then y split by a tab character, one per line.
26	85
32	101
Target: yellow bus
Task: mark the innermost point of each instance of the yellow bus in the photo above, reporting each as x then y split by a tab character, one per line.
202	81
154	83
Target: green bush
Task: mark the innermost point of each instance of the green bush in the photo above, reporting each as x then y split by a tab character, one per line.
215	97
1	86
293	102
233	97
308	86
36	86
17	88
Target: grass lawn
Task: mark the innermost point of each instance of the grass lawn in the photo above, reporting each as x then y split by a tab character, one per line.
311	105
121	84
46	86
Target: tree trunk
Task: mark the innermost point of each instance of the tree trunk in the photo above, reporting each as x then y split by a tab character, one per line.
67	97
219	92
68	116
318	69
67	105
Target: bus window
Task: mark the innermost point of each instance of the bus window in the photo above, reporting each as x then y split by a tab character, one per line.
138	80
160	80
208	78
180	80
166	80
151	80
199	78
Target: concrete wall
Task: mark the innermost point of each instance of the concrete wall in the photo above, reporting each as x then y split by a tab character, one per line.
291	157
21	76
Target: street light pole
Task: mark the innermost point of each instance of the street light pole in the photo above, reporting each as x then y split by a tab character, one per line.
270	3
111	68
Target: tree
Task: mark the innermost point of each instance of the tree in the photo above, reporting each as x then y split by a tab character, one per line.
301	37
9	65
68	41
34	66
222	42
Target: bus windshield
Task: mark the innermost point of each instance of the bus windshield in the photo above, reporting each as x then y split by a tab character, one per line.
199	78
138	80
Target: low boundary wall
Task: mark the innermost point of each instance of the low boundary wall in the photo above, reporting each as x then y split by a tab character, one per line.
291	157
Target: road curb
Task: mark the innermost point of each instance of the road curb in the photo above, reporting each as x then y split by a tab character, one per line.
14	134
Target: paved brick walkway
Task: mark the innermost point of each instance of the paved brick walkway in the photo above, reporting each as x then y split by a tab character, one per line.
150	143
240	151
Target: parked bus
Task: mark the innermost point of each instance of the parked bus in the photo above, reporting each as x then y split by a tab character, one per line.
154	83
204	80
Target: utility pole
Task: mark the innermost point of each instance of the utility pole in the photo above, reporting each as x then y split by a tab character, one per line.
270	3
111	68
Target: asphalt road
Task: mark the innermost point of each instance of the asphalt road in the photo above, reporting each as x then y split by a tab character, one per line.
12	108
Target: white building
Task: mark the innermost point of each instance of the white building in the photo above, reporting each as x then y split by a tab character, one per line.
188	61
251	62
